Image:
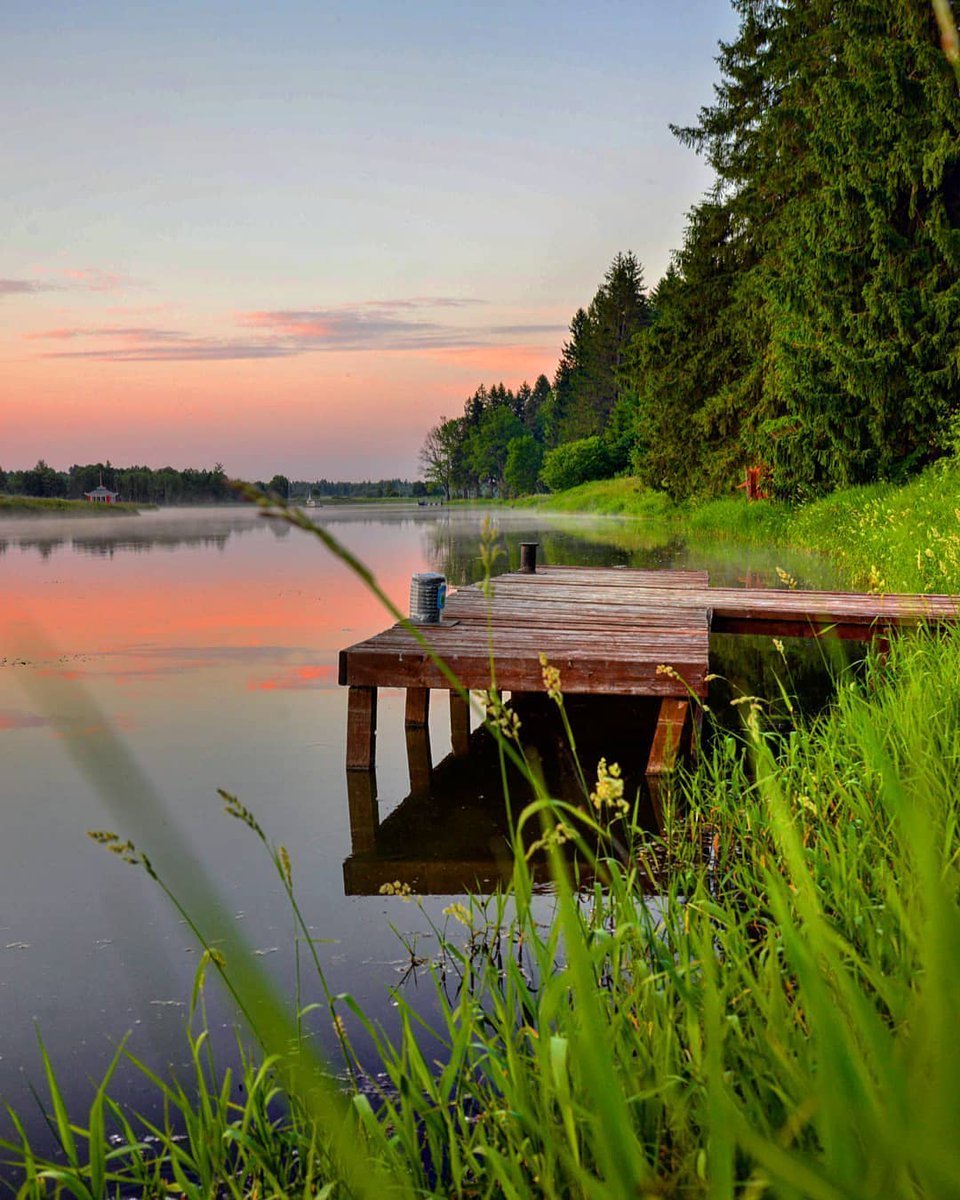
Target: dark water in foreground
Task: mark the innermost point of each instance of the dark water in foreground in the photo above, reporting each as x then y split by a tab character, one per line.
209	640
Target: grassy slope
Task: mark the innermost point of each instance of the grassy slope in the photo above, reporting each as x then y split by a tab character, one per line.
35	506
883	537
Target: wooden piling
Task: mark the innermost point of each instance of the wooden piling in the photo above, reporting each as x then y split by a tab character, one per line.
364	811
361	729
417	711
671	738
459	724
419	759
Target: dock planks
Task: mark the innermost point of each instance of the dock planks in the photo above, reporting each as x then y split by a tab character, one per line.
609	631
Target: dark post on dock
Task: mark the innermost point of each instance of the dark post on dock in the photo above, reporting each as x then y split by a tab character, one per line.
528	558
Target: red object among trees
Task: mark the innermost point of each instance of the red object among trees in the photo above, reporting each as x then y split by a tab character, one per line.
756	482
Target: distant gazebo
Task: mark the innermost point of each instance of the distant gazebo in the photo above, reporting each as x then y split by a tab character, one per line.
102	495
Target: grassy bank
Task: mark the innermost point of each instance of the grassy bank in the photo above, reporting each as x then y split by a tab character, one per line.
626	497
37	506
883	537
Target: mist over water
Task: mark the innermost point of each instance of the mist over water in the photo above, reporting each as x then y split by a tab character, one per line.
208	638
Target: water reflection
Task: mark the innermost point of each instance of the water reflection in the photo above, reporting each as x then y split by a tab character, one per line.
452	546
452	831
106	545
211	641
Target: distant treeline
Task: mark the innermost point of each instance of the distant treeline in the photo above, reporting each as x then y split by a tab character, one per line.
166	485
367	489
809	326
138	485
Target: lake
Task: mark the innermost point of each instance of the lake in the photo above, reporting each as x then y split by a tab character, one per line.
207	641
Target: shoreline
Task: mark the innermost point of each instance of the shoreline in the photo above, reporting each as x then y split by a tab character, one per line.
37	506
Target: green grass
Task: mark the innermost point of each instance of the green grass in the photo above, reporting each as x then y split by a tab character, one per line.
779	1024
623	496
883	537
37	506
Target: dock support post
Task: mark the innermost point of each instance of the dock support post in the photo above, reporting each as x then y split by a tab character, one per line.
417	711
459	724
671	738
419	759
362	729
364	813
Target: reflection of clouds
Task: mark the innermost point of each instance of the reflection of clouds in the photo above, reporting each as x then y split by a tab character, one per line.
160	661
295	680
70	727
11	718
213	655
154	662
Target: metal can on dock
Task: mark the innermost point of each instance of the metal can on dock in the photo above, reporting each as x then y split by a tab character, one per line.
428	591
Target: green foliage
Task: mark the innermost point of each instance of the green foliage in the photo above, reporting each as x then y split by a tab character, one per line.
690	366
736	517
891	539
137	485
625	495
522	469
831	308
442	454
487	445
884	537
573	463
32	506
590	383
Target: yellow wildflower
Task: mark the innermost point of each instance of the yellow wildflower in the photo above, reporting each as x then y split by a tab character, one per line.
609	789
551	679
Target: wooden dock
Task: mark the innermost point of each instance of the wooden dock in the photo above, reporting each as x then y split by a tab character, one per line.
609	631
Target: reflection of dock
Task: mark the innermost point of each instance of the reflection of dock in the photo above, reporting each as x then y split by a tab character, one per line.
451	833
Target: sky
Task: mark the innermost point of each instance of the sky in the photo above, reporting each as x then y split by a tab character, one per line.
290	237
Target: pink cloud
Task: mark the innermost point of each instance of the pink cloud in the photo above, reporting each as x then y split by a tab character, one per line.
93	279
71	279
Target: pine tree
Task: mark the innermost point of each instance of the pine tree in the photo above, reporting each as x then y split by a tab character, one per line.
595	356
835	138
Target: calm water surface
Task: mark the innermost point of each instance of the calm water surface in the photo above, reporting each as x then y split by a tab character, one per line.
209	640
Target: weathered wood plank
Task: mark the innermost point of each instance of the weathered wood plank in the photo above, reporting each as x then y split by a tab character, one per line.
361	728
598	675
417	709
